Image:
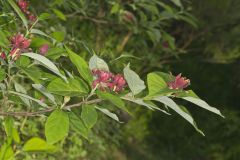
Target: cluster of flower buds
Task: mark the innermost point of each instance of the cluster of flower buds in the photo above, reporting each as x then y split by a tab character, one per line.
24	6
107	80
179	82
19	44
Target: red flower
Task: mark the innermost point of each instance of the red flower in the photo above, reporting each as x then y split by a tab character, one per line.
23	5
108	80
43	49
119	80
19	41
3	55
179	82
19	44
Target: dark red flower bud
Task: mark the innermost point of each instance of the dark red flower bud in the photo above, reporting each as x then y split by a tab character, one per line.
23	5
3	55
32	17
179	82
165	44
43	49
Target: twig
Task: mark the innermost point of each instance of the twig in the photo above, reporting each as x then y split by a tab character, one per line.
124	42
37	113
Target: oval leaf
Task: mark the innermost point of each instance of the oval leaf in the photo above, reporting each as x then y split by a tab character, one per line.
109	114
89	115
155	83
81	65
134	82
57	126
46	63
77	124
97	63
74	87
37	144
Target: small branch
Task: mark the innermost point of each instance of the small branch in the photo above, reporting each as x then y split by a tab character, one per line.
124	42
95	20
37	113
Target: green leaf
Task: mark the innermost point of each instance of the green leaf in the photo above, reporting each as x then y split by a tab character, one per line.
134	82
8	126
155	83
19	12
19	88
203	104
33	73
2	74
59	14
6	152
113	99
177	3
39	32
81	65
55	53
15	135
97	63
109	114
23	61
74	87
37	144
193	98
10	130
144	103
59	36
89	115
43	90
171	104
29	97
44	16
57	126
77	124
46	63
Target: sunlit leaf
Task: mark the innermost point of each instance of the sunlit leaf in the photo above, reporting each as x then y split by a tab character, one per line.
89	115
81	65
57	126
74	87
97	63
134	82
37	144
77	124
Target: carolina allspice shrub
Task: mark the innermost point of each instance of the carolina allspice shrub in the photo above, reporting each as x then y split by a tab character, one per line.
38	88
